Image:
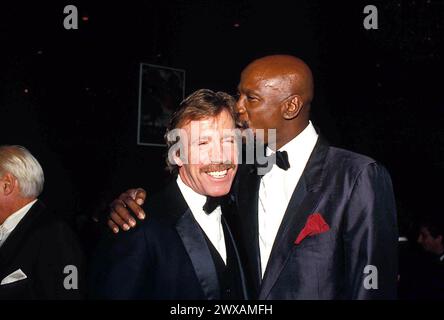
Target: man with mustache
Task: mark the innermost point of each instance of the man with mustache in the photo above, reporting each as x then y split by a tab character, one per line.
321	224
185	250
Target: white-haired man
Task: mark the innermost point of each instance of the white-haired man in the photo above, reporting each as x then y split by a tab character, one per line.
39	255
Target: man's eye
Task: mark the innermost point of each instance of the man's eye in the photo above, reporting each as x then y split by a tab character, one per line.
202	143
251	98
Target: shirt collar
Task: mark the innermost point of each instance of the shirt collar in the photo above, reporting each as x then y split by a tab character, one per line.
195	200
13	220
302	142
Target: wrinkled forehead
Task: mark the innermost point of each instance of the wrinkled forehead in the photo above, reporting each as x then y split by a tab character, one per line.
210	125
254	73
257	78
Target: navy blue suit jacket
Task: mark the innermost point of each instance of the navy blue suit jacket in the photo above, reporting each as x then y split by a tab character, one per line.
165	257
354	195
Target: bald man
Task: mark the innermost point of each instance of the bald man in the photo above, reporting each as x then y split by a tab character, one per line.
321	224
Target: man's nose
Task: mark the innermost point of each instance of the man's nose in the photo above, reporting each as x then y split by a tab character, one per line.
216	153
240	106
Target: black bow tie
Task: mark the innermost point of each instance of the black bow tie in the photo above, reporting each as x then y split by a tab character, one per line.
281	160
212	203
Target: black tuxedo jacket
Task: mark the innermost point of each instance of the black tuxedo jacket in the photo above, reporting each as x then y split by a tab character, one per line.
354	195
165	257
41	245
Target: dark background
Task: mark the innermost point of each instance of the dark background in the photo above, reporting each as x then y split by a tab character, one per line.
70	96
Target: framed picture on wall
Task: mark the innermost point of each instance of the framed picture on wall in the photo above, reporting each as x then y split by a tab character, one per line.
161	89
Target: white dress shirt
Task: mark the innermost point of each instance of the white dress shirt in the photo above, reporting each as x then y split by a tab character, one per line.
277	187
12	221
210	223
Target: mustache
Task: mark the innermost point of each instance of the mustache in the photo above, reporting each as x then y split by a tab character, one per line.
217	167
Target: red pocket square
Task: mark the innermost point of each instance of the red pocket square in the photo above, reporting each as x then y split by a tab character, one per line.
315	225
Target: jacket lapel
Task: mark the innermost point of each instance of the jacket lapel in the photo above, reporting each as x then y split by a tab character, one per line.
304	200
11	246
229	237
247	199
199	253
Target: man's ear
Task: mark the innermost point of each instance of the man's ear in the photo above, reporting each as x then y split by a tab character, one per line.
8	184
177	158
292	107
